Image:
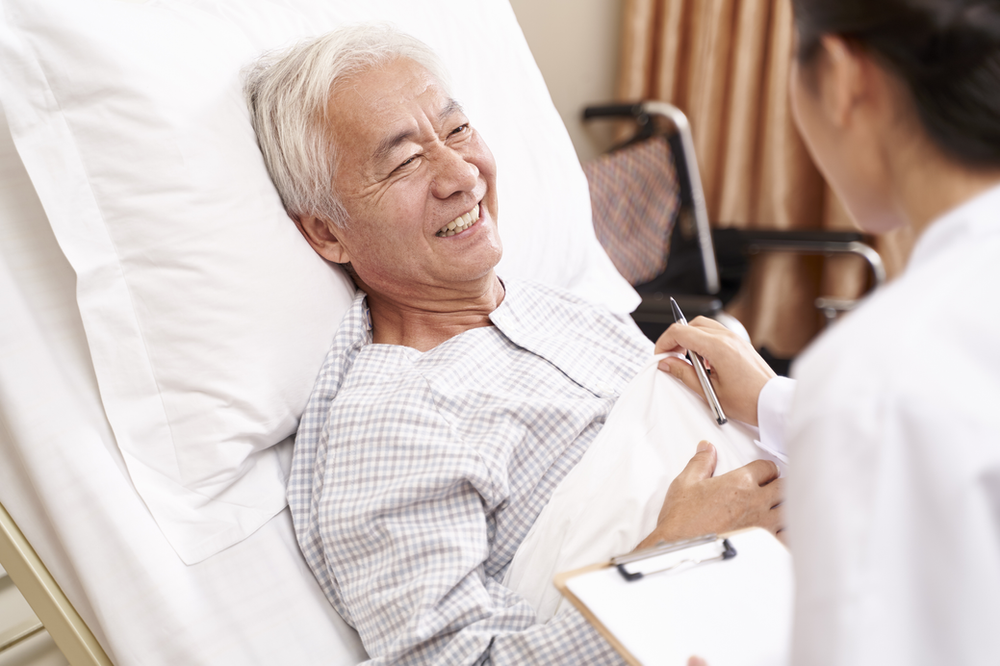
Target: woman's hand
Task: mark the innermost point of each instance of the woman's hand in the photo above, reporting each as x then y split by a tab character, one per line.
738	373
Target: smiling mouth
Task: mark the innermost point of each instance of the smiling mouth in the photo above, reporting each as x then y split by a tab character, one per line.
459	224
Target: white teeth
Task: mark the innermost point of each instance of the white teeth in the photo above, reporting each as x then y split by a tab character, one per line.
460	223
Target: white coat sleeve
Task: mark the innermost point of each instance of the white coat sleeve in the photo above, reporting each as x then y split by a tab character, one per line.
773	405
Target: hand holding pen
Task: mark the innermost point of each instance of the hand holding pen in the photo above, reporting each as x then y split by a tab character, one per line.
701	371
738	373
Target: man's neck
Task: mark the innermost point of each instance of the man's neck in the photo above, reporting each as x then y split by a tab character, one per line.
427	322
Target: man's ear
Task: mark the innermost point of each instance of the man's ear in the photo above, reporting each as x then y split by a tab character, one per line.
324	237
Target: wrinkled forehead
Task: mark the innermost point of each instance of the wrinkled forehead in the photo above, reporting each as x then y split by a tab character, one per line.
375	108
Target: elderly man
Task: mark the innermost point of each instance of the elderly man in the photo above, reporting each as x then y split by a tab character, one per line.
452	403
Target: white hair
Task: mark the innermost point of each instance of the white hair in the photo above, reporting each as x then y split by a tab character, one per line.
289	93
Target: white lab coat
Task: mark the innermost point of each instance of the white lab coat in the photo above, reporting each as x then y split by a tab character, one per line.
893	499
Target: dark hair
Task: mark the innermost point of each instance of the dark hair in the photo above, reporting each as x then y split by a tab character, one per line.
947	52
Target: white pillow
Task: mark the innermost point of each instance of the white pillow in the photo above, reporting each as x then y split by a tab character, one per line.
206	314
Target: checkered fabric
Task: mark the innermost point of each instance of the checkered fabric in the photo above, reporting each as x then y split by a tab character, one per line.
634	197
417	475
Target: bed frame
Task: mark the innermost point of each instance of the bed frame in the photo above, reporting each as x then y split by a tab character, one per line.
46	599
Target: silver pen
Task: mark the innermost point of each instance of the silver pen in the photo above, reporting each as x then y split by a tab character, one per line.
699	369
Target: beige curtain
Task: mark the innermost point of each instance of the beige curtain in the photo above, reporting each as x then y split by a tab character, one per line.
726	64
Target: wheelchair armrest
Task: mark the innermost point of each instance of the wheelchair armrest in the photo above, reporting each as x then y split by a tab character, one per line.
750	242
747	236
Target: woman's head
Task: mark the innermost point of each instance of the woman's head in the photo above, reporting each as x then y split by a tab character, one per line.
945	52
891	92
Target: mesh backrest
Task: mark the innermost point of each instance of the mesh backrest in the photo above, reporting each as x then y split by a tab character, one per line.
634	195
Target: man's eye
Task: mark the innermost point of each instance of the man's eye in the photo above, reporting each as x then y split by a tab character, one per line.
460	129
408	162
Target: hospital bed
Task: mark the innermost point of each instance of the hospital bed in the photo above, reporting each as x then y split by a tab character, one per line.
162	322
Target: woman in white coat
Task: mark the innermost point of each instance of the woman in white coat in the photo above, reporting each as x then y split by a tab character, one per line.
893	426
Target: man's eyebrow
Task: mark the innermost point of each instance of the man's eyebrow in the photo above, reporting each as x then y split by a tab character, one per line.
386	145
450	108
389	143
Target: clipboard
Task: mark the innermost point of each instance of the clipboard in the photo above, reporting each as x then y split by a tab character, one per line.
727	600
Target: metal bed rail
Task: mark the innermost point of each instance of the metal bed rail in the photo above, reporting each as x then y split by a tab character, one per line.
71	635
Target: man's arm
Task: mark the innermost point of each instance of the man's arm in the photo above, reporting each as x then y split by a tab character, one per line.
410	564
698	503
405	519
406	533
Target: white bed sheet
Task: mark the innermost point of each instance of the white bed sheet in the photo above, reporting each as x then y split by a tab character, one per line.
63	480
611	499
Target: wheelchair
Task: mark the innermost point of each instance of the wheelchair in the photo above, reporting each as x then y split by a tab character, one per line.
650	216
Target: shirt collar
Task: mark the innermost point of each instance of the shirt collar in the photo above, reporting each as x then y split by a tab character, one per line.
519	311
976	217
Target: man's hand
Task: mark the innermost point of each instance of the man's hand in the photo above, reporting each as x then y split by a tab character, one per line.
738	372
698	503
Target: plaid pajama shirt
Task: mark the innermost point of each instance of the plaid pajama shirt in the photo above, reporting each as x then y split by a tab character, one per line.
416	475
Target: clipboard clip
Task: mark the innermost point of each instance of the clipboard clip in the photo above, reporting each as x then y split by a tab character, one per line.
675	556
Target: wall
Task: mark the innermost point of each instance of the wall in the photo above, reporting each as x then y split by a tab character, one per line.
575	43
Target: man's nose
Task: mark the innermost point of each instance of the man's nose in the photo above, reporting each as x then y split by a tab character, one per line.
454	174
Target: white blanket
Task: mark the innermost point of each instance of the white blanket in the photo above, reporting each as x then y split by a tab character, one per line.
610	501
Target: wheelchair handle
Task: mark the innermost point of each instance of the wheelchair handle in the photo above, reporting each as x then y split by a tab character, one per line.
634	110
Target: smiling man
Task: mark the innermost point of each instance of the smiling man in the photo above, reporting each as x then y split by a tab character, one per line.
452	403
419	185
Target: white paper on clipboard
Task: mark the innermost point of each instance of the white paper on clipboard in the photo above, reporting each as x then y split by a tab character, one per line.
735	612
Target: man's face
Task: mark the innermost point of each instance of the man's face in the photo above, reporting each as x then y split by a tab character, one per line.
410	166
